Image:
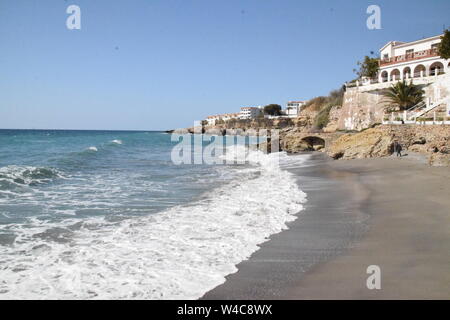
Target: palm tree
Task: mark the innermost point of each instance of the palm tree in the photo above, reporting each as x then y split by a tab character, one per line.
404	95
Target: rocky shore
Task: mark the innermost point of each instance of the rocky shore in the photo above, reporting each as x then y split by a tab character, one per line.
432	141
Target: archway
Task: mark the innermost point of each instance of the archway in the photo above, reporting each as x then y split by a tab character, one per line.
407	73
420	71
395	75
384	76
314	143
436	68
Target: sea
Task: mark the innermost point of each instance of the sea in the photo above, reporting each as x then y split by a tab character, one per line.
109	215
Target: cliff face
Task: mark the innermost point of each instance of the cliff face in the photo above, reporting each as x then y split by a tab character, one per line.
361	109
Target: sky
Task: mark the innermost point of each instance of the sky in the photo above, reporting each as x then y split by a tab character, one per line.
162	64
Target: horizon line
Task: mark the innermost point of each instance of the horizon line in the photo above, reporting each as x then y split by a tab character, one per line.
136	130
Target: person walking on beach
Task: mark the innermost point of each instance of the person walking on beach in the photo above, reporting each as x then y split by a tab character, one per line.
397	148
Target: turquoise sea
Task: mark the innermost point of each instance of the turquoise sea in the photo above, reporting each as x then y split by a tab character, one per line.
108	215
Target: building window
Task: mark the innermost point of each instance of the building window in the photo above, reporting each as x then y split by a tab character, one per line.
386	56
409	51
434	46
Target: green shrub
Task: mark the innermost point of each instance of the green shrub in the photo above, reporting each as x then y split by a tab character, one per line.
421	119
323	117
323	105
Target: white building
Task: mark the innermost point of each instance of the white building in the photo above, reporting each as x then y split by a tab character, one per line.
293	108
229	116
212	120
250	112
416	59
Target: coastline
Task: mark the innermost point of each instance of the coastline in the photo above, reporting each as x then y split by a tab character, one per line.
385	211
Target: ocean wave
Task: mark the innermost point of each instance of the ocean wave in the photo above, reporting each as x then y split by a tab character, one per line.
179	253
116	141
27	175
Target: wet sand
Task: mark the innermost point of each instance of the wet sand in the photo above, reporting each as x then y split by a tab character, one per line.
390	212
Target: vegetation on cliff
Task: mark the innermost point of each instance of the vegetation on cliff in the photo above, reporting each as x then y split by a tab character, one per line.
404	95
272	109
322	106
323	117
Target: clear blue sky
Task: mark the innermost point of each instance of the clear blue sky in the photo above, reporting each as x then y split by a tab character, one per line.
160	64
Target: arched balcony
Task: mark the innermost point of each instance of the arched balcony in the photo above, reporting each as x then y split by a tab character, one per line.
436	68
420	71
384	76
395	75
407	73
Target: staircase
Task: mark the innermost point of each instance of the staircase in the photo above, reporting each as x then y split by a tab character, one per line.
414	110
421	108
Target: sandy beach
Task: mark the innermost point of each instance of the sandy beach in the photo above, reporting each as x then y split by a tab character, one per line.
391	212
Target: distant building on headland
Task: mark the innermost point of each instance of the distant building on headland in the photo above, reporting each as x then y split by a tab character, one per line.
251	112
293	108
248	113
212	120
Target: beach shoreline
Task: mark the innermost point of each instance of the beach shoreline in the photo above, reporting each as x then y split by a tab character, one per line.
390	212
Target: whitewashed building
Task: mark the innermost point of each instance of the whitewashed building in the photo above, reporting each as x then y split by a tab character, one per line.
417	62
293	108
250	112
229	116
416	59
212	120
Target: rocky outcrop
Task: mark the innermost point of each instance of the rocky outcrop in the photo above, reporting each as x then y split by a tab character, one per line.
367	144
432	141
298	140
293	143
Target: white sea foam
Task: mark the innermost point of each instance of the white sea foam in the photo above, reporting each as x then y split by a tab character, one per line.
93	149
179	253
116	141
27	175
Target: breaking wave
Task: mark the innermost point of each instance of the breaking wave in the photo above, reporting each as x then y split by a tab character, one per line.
26	175
179	253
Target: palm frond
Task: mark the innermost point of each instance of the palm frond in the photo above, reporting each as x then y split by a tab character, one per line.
404	95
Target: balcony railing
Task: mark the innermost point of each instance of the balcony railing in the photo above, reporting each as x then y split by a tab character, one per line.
395	78
410	57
